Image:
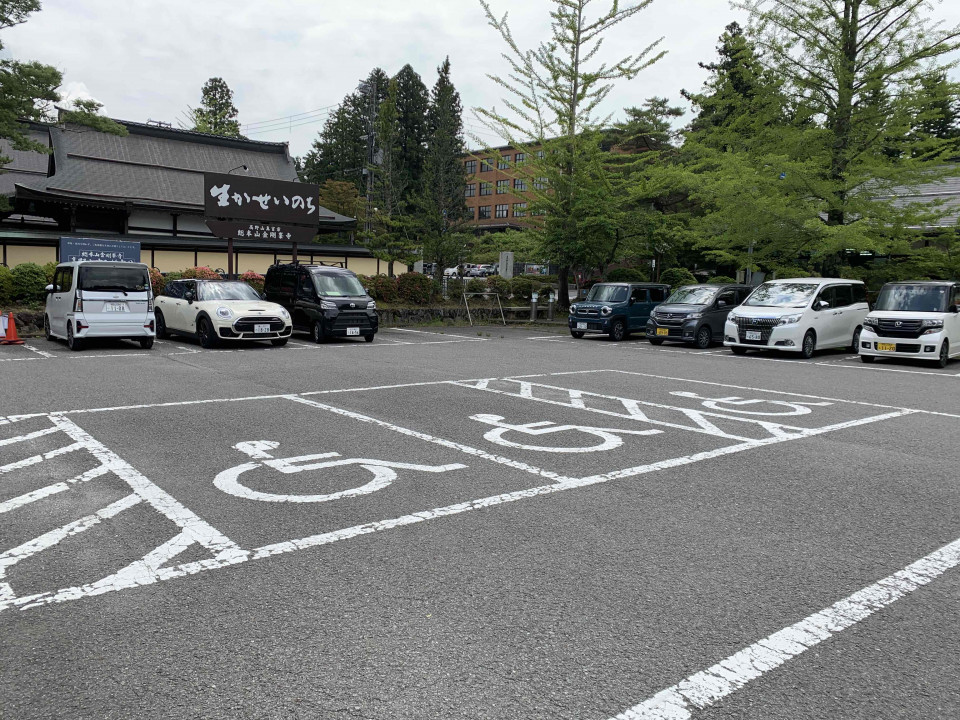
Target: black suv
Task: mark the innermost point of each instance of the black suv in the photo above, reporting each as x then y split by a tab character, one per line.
616	309
695	314
323	300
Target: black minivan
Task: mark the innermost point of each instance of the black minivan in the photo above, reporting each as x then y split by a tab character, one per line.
326	301
695	314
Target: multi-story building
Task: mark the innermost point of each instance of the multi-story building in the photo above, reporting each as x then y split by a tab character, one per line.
498	188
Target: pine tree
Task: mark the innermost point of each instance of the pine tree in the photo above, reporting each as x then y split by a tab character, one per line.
411	103
217	114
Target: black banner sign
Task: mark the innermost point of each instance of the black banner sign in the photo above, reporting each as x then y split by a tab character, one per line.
257	232
241	197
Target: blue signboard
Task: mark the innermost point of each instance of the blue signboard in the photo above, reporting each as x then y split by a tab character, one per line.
73	249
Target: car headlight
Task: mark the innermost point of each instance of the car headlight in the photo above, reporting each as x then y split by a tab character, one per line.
605	310
931	326
328	305
871	321
284	313
224	312
790	319
694	316
372	305
732	316
573	308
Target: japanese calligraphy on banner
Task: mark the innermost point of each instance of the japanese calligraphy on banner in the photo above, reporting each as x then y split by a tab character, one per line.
74	248
241	197
240	230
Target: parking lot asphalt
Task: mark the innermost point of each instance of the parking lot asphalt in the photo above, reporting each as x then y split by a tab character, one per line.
475	523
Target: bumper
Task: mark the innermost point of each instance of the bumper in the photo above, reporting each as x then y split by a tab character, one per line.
685	332
356	325
227	332
599	325
925	347
788	338
96	326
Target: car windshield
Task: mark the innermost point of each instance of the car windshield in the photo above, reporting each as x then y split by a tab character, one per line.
693	295
782	294
607	293
227	291
913	298
337	285
113	277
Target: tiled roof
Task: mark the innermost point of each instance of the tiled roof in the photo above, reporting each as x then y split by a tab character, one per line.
945	191
26	167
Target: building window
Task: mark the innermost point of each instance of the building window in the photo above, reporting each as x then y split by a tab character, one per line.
503	163
470	190
484	212
471	213
519	209
519	158
470	167
502	211
520	185
503	186
486	188
540	154
486	165
540	183
538	213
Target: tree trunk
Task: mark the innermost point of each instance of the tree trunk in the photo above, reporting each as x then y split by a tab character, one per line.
563	288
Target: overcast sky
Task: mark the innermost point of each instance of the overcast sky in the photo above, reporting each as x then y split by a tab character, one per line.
290	61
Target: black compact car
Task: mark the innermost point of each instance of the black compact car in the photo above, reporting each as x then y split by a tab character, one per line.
326	301
695	314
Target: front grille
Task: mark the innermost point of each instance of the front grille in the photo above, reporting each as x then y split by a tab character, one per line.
899	328
764	325
352	318
245	324
670	318
907	348
588	312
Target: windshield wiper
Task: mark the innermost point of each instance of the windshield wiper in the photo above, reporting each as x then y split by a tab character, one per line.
119	288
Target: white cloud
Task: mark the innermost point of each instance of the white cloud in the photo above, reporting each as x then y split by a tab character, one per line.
283	57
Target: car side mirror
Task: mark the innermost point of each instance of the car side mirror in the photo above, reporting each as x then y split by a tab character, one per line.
189	297
722	303
48	288
953	308
263	295
632	301
822	305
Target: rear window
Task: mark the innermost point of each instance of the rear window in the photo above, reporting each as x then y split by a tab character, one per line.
113	277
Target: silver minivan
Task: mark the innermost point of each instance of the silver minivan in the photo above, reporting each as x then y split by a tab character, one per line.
100	300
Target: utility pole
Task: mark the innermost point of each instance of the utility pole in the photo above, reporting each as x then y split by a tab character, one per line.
370	89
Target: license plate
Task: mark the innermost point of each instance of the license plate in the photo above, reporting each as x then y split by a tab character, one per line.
887	347
754	335
258	329
663	331
353	331
115	307
581	326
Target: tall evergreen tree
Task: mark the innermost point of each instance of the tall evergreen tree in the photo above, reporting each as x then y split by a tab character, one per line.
441	204
411	103
554	93
217	114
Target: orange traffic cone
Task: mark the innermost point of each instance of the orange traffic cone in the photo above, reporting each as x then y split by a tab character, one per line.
11	338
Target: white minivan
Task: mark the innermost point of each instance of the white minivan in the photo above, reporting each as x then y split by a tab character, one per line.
100	300
916	320
799	315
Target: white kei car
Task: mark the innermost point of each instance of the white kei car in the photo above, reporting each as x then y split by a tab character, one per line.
799	315
914	320
215	310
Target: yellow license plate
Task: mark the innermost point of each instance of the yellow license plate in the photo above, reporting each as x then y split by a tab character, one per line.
663	331
887	347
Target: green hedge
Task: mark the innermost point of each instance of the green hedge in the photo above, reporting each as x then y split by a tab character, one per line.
6	286
415	288
498	285
678	276
628	275
721	280
523	287
29	281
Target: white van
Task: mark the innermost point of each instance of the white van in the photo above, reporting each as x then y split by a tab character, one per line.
798	315
100	300
916	320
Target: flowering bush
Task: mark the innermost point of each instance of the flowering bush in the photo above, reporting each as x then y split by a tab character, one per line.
200	273
415	288
382	287
157	281
253	279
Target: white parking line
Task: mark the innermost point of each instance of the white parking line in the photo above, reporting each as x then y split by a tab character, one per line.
705	688
38	351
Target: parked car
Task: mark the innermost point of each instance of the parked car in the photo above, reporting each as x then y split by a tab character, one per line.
798	315
99	300
215	310
695	314
616	309
452	272
478	270
917	320
325	301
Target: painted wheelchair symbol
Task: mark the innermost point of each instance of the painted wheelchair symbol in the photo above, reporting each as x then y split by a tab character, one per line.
610	437
384	472
734	404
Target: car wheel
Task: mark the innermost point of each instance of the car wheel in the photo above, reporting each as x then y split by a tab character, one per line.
618	331
73	343
161	325
368	338
809	345
316	332
855	343
208	338
868	358
146	343
577	334
655	340
739	350
279	342
944	354
703	338
46	328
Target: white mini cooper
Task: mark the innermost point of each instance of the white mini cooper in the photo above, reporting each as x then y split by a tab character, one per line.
215	310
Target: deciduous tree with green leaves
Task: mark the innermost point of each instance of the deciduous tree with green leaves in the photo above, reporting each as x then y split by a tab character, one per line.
217	114
553	93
